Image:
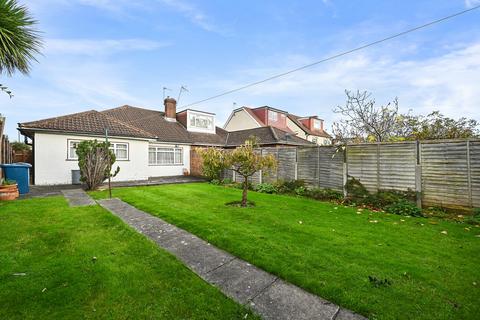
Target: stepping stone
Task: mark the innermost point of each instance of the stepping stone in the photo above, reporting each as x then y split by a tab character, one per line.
78	198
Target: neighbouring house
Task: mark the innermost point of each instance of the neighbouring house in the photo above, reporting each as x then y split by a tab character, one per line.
309	128
147	143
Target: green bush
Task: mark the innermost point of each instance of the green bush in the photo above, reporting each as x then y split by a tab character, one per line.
325	194
227	181
405	208
288	186
216	182
474	218
300	191
265	188
356	190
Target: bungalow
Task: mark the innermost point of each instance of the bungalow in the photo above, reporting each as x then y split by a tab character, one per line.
309	128
147	143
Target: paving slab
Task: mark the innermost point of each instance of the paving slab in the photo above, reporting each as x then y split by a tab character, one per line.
240	280
269	296
78	198
284	301
344	314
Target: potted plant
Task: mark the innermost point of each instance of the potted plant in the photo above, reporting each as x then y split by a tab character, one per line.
8	190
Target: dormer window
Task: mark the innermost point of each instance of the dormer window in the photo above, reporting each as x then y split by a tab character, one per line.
272	116
200	122
317	124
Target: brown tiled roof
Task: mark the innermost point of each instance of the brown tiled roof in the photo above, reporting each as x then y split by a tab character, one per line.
152	121
296	120
167	131
92	122
128	121
266	136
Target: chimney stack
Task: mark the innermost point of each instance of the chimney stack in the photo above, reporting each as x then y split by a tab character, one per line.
170	109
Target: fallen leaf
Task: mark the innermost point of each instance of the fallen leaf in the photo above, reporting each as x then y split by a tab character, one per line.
20	274
44	289
373	221
444	232
300	222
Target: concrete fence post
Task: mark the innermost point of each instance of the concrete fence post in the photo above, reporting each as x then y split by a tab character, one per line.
345	172
418	176
296	163
469	176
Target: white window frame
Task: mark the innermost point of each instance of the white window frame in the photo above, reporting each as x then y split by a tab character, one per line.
317	122
114	146
69	155
176	151
195	116
272	115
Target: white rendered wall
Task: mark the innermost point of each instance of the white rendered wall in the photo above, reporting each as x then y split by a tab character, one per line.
53	167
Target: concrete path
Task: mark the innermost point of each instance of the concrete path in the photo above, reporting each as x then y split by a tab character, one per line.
56	190
77	198
265	293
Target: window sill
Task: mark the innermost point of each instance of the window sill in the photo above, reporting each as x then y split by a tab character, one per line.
166	165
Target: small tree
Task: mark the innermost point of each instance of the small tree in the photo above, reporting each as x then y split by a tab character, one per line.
95	160
213	162
363	120
245	161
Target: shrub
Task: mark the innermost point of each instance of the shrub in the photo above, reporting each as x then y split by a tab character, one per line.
265	188
289	186
356	190
405	208
227	181
216	182
300	191
324	194
95	160
213	163
474	218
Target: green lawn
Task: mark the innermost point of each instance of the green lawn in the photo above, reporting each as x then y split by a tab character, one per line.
131	278
332	250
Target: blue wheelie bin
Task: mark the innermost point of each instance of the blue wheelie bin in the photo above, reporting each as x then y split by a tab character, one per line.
20	173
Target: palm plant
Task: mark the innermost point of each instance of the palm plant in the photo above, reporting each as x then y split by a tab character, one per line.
19	40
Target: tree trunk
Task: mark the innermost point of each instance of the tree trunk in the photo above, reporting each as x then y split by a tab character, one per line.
245	190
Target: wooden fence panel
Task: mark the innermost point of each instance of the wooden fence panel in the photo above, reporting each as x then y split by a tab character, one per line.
287	159
397	166
272	175
362	161
475	173
330	173
307	166
445	174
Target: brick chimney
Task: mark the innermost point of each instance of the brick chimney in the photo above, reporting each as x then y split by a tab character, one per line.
170	109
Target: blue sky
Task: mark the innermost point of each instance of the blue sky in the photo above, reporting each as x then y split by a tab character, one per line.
101	54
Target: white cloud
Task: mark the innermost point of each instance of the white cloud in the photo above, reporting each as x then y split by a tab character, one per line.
99	47
194	14
448	83
471	3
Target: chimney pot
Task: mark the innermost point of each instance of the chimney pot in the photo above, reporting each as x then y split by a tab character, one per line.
170	108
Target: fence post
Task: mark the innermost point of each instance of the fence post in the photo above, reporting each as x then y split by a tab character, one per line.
378	166
296	164
345	172
418	176
318	166
469	176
